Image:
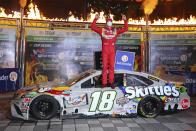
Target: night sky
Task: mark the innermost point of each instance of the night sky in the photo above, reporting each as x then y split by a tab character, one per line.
131	8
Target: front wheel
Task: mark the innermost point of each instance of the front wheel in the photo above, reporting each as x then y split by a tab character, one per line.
150	106
44	107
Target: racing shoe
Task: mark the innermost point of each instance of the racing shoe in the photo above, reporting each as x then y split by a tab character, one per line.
112	86
103	85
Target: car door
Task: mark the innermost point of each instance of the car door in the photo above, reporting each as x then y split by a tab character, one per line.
104	100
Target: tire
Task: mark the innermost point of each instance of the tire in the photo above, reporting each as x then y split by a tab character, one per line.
44	107
150	106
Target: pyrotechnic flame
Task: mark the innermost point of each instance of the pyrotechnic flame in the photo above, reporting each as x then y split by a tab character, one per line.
149	6
23	3
34	13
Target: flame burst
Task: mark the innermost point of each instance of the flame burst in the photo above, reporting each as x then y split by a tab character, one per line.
34	12
149	5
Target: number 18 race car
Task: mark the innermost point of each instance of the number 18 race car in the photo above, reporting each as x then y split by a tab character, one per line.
134	93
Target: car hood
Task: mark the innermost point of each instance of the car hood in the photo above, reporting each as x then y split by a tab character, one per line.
36	87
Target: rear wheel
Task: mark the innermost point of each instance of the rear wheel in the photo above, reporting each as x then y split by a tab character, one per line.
44	107
150	106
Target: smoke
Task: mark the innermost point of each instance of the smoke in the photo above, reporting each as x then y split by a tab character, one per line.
23	3
149	6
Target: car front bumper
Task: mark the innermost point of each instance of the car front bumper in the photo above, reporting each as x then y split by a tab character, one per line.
18	112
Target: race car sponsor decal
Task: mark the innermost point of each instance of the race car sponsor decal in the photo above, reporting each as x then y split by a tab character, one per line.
61	88
153	78
25	103
102	101
137	100
166	99
172	99
122	110
75	100
132	92
58	92
133	111
41	90
122	101
182	89
163	98
185	103
27	100
24	110
32	94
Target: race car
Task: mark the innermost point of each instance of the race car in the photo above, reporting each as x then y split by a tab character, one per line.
134	93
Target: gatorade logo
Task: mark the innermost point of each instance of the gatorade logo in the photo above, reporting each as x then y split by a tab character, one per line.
124	58
185	103
13	76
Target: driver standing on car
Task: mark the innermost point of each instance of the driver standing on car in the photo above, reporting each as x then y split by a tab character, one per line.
108	37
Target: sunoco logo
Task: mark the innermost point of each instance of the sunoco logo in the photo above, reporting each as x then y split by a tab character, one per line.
133	92
13	76
124	58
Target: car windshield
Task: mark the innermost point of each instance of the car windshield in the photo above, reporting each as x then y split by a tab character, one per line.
79	77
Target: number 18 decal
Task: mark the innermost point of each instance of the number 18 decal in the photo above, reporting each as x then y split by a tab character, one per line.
103	101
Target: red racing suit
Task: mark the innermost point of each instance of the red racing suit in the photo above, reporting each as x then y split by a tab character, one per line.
108	37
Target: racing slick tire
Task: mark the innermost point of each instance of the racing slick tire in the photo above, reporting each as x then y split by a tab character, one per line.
44	107
150	106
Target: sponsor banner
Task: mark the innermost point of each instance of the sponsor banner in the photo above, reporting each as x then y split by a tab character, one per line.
181	36
190	79
173	52
7	47
124	60
173	57
58	55
9	79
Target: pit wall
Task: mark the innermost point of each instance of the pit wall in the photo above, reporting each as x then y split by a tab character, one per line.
61	50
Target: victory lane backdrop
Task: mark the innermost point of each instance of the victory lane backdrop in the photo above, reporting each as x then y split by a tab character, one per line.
174	54
58	55
61	55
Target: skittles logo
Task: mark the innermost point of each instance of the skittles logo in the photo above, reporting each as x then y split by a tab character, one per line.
13	76
185	103
124	58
